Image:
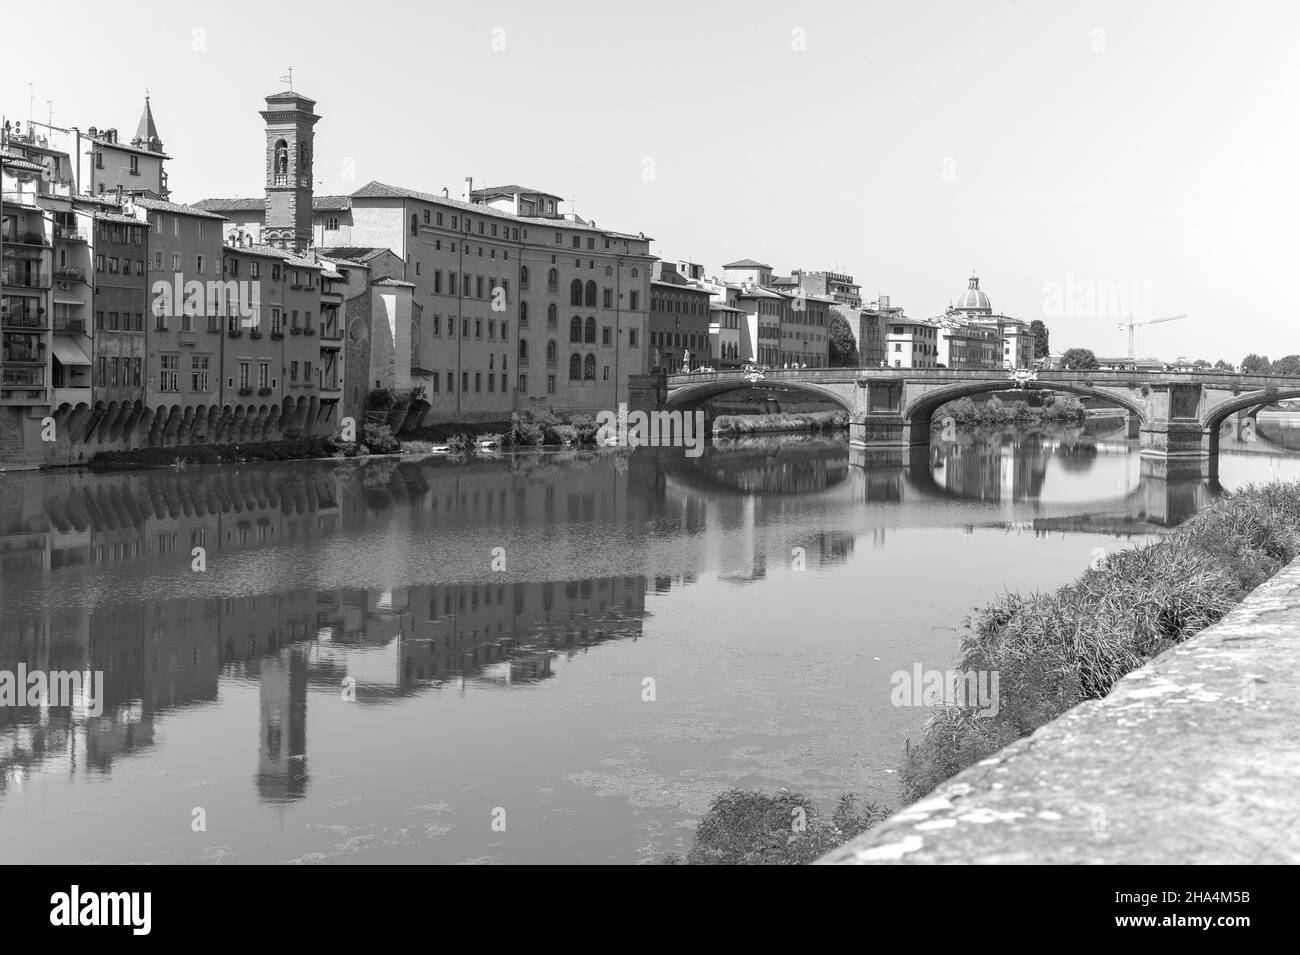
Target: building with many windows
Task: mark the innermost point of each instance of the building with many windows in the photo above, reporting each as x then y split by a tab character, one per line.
513	303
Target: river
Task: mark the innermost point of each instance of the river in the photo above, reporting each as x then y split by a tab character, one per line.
556	657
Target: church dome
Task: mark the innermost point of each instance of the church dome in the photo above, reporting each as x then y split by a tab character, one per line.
973	300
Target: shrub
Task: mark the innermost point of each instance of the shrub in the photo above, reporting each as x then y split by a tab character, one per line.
754	828
524	432
583	429
380	439
461	442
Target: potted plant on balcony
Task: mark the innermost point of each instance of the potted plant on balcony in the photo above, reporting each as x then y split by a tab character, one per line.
295	330
245	391
236	333
264	391
277	336
255	333
309	332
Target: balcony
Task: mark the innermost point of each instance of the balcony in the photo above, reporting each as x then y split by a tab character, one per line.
235	333
70	233
309	332
25	318
26	238
295	331
68	325
277	336
23	386
330	387
255	333
188	338
72	396
70	275
23	279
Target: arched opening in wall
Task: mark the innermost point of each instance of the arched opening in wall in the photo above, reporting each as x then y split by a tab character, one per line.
575	367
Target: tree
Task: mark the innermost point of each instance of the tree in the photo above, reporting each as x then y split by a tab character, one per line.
1039	331
1254	364
1201	363
1288	365
843	346
1081	359
1222	365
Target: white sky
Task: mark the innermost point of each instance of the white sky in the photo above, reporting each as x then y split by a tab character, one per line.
1039	142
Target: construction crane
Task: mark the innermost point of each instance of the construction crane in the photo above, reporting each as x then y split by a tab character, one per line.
1131	325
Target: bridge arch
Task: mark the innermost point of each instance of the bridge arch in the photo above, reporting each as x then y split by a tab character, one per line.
692	395
1217	415
1257	400
921	409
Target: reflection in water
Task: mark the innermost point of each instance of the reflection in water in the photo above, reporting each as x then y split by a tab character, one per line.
371	583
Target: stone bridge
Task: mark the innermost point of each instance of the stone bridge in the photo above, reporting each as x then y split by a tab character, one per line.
1177	415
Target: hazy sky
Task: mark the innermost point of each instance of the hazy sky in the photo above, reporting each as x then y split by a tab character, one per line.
1152	144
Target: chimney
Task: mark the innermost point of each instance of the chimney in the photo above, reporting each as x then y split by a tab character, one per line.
469	188
119	193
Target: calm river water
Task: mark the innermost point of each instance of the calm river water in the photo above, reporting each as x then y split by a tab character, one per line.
547	658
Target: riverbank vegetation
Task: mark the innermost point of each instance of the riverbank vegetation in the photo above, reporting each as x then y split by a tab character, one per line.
1055	650
995	412
781	421
754	828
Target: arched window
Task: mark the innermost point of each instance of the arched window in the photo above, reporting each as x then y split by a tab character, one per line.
590	298
523	276
552	315
551	350
552	281
609	270
281	162
415	225
589	368
575	329
523	350
634	273
590	338
575	368
523	314
575	292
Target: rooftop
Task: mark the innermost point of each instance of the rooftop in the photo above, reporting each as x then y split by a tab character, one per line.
746	264
160	205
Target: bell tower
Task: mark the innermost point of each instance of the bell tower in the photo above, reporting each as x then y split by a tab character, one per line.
290	120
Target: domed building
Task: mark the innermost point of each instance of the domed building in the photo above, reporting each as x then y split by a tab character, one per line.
973	302
974	309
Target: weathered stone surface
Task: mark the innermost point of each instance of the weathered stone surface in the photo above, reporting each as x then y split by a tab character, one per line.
1192	759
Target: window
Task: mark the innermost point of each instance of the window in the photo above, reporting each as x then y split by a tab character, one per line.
170	380
606	335
478	381
552	315
199	370
590	298
243	373
293	370
437	281
306	373
631	338
552	281
575	368
575	329
577	242
608	298
589	368
606	367
491	383
198	264
633	299
590	337
263	374
523	351
523	314
550	384
478	328
523	276
464	381
552	351
415	225
523	384
277	321
575	290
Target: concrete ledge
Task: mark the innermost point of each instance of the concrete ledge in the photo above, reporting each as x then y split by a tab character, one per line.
1191	759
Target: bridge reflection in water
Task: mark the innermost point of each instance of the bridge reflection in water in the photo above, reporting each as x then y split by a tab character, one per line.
94	569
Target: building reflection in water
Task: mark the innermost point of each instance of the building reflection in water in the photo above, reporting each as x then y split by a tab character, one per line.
90	532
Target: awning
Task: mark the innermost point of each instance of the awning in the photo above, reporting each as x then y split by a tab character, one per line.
68	352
